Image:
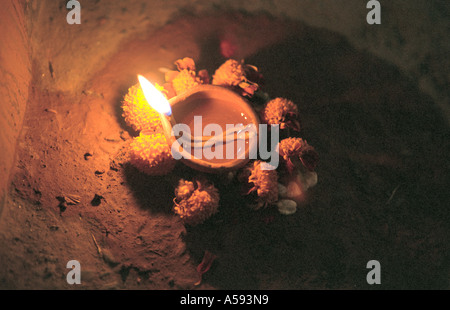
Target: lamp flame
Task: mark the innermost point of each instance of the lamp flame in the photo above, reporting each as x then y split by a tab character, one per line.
154	97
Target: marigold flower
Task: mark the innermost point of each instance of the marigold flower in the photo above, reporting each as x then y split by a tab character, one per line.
151	154
186	77
186	63
184	80
281	111
138	113
292	148
264	182
184	190
195	205
241	77
230	73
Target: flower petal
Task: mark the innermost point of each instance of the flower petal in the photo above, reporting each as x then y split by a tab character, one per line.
205	265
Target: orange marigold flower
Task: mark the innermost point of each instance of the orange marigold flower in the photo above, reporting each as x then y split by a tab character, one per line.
281	111
138	114
293	148
186	63
184	190
238	76
230	73
183	81
151	154
186	77
264	182
195	205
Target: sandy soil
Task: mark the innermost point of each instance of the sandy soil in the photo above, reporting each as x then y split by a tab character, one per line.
382	191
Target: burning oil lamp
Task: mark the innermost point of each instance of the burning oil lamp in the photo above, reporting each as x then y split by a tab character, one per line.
214	106
158	102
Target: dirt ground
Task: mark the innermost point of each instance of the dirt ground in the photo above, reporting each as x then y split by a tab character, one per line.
382	192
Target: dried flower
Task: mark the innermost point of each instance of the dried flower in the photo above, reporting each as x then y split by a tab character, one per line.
263	182
186	63
281	111
138	113
238	76
293	148
185	78
151	154
195	205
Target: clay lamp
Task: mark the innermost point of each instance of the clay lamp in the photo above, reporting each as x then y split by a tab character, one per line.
224	126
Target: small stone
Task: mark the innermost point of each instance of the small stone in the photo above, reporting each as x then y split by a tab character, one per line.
287	206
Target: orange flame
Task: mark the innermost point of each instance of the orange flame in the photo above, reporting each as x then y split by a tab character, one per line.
154	97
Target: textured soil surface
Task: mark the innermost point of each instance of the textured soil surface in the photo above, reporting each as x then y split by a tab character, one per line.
382	192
